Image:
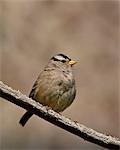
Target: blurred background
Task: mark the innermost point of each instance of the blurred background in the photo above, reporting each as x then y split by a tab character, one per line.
31	32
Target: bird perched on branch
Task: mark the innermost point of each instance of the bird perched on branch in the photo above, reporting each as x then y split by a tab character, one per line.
55	86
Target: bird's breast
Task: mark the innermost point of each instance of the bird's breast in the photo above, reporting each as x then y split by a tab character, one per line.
57	93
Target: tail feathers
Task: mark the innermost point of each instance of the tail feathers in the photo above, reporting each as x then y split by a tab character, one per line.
25	118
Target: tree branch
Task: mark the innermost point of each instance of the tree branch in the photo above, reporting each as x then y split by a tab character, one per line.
57	119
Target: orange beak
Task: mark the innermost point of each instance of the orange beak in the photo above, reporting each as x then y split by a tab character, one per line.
72	62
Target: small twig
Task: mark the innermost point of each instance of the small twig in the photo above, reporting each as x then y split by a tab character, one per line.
57	119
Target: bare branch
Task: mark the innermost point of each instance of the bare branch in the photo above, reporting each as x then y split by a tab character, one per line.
57	119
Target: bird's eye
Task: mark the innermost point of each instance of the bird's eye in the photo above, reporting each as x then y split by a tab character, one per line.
63	61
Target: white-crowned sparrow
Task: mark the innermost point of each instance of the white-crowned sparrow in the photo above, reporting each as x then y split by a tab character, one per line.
55	86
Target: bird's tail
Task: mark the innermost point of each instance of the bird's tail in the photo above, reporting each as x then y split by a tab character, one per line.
25	118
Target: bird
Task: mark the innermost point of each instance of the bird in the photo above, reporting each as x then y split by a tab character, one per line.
55	86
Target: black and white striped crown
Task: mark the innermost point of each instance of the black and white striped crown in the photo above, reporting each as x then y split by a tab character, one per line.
61	57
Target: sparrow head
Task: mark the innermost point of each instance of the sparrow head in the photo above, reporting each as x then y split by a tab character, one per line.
60	62
62	59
